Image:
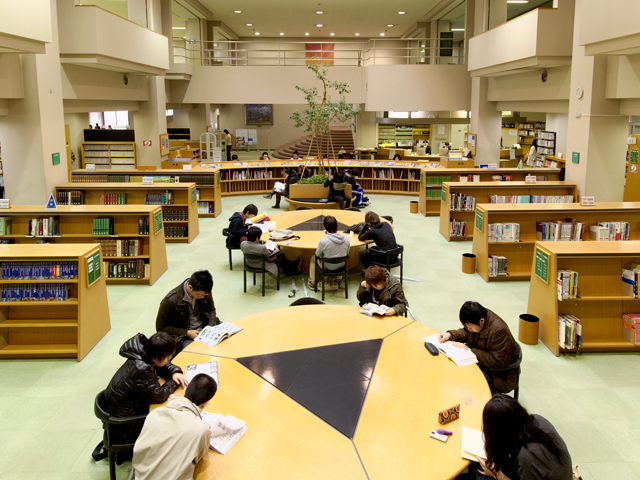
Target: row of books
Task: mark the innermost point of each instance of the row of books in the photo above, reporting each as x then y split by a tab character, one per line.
143	226
497	265
567	281
200	180
175	215
460	201
38	292
133	269
631	328
457	228
44	227
113	199
103	226
610	231
432	193
70	198
569	332
436	180
531	198
545	150
569	230
501	178
175	232
469	178
39	270
164	198
6	226
205	207
120	248
503	232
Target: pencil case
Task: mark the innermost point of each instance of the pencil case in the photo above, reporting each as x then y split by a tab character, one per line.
449	415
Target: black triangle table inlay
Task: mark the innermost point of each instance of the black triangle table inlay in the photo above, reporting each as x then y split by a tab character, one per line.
330	381
315	225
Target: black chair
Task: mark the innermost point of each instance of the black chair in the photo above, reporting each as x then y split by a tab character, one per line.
307	301
108	421
302	207
232	243
322	272
352	209
388	218
387	258
262	270
513	366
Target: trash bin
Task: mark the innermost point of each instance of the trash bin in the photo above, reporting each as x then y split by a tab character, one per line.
528	329
468	263
413	207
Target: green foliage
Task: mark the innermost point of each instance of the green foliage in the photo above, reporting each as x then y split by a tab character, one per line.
314	179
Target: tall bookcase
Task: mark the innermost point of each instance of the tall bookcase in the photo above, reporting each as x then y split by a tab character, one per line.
401	135
109	155
49	328
600	302
481	193
520	254
177	216
76	226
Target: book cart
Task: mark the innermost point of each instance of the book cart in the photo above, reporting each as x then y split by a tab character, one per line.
68	326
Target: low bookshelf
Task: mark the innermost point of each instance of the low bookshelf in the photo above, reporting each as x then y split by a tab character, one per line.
54	300
600	301
431	180
178	202
109	155
519	254
124	225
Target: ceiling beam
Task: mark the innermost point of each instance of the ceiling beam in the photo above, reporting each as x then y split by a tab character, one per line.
200	9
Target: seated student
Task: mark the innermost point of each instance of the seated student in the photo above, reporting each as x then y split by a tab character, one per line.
135	385
382	289
175	438
337	186
264	156
489	337
292	177
234	157
427	150
382	235
296	156
333	245
237	227
274	258
396	157
357	192
187	309
519	445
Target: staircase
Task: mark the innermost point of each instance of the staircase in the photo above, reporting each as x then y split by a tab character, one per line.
340	137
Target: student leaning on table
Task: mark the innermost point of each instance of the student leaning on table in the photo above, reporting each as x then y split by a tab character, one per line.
382	289
273	258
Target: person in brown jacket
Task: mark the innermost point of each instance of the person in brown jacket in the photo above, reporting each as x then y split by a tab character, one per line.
489	337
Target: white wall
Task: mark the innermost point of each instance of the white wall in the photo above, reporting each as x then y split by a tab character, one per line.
11	76
623	77
26	19
83	83
529	86
77	123
608	20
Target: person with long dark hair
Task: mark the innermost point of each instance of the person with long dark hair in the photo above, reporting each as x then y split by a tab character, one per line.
520	446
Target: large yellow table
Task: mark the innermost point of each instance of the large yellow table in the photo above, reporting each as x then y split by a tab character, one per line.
407	390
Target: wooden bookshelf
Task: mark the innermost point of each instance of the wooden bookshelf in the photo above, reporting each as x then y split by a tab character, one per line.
505	157
207	180
482	191
184	201
632	172
402	136
109	155
43	329
600	303
519	255
76	226
431	180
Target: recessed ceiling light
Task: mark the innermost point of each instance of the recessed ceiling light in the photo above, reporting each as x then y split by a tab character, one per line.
457	29
400	13
249	24
319	25
357	34
281	33
332	34
257	33
319	13
517	1
390	25
179	28
307	33
237	11
382	34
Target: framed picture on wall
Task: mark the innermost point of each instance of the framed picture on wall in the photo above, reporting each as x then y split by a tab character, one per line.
258	114
164	144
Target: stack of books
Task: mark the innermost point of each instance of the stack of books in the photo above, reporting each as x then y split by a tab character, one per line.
133	269
462	202
630	281
165	198
103	226
497	265
569	332
469	178
175	215
44	227
39	270
113	199
175	232
436	180
143	226
503	232
569	230
567	284
610	231
631	328
70	198
205	207
457	228
39	292
120	248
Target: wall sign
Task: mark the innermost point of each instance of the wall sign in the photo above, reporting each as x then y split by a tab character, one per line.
146	143
157	220
575	157
479	219
55	157
542	265
588	201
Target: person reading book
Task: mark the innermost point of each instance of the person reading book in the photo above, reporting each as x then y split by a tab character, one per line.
382	235
519	445
292	177
357	192
381	288
135	385
237	224
489	338
337	186
273	257
333	245
175	438
187	309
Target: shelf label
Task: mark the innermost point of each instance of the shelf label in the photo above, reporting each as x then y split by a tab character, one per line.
5	203
91	167
542	265
493	166
147	180
444	193
530	179
158	220
588	201
187	167
93	268
194	195
96	266
479	219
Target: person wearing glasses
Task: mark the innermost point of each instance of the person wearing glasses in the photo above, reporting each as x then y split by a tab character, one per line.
187	309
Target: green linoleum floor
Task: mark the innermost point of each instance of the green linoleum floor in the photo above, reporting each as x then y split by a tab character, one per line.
47	426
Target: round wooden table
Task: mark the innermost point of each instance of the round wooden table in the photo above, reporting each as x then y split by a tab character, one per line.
408	388
306	245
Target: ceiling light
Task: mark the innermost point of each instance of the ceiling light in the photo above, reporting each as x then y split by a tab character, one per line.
319	25
517	1
237	11
382	34
307	33
179	28
319	13
390	25
249	24
457	29
332	34
257	33
357	34
281	33
400	13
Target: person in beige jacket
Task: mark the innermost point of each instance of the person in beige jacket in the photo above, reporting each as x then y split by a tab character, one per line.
175	438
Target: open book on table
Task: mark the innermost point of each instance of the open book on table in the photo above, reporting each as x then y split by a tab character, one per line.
371	309
232	430
472	444
214	335
209	368
460	356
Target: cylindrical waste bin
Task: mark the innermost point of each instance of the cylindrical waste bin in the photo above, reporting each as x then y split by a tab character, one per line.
468	263
413	207
528	329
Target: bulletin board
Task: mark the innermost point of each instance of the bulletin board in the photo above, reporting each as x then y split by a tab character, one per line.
472	142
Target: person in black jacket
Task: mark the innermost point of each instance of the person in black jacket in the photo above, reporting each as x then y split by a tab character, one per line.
237	227
337	186
382	235
187	309
292	177
135	385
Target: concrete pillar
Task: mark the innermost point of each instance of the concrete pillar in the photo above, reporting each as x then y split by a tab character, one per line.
197	121
497	13
34	128
599	134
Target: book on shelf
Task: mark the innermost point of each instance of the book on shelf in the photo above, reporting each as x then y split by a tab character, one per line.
497	265
371	309
569	331
569	230
630	281
459	356
132	269
631	328
39	270
509	198
175	215
212	336
44	227
567	281
230	427
175	232
205	207
469	178
120	248
70	198
208	368
103	226
39	292
503	232
610	231
551	199
462	202
457	228
113	199
6	225
501	178
143	226
165	198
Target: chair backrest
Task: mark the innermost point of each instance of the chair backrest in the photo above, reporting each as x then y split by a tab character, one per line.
394	251
353	209
389	218
99	407
254	258
307	301
303	208
333	260
225	232
513	365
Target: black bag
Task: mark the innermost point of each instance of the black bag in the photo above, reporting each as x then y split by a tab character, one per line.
357	228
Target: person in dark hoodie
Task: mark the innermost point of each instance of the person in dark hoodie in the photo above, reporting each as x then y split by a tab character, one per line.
331	246
292	177
337	185
382	289
382	235
135	386
237	227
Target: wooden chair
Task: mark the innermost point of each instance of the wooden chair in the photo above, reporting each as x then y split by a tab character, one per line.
385	258
322	272
232	243
262	270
